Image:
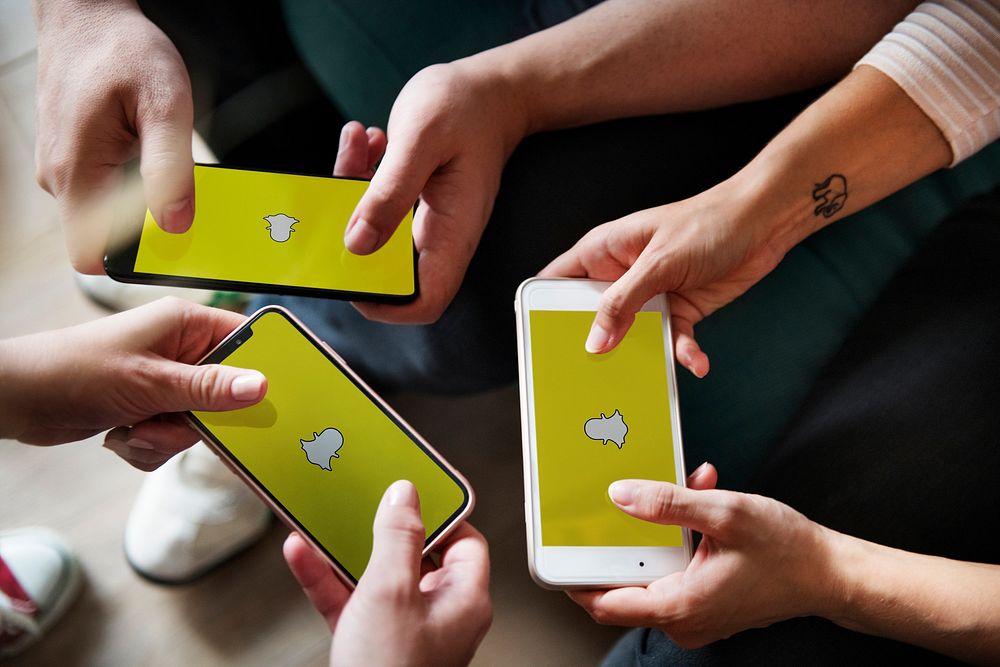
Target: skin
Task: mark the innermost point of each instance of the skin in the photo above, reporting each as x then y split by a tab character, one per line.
131	372
405	610
453	126
111	87
709	249
757	564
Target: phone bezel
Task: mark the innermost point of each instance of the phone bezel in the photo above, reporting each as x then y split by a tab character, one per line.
120	264
587	567
230	343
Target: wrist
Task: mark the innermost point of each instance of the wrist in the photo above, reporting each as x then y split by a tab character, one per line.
776	200
850	562
499	83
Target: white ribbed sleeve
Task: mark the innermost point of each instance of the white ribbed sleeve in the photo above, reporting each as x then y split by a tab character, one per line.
946	56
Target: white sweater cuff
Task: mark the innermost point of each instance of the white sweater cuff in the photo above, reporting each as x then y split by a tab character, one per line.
946	56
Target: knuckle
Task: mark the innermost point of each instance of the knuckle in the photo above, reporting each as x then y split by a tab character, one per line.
56	173
662	501
731	514
600	615
204	384
174	306
386	191
612	303
391	590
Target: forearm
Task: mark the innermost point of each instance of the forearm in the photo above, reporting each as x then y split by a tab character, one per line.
11	376
944	605
865	135
630	58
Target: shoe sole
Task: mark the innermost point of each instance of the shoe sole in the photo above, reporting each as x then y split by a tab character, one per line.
198	574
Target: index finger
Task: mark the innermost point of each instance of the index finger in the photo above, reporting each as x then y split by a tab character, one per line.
633	606
393	190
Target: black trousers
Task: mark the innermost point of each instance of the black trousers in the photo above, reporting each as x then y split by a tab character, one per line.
898	442
556	186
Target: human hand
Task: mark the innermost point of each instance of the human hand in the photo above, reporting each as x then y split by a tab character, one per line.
450	132
704	251
404	611
111	86
132	371
759	562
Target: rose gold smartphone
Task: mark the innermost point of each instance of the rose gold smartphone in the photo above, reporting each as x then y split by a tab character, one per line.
322	447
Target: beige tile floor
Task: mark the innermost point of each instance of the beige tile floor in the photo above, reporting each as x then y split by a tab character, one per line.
249	612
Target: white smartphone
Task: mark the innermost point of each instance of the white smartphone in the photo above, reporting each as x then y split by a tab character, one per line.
588	420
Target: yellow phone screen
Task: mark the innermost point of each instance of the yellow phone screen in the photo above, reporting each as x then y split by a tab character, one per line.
276	229
598	418
322	449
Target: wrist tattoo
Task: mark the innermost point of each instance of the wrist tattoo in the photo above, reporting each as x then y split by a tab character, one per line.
830	195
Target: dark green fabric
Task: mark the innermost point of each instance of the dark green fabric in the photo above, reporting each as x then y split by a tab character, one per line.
362	52
768	347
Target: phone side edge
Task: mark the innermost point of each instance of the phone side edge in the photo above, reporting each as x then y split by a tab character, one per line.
519	305
470	496
677	434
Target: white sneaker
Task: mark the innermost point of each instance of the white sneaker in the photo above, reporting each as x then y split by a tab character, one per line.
191	514
46	572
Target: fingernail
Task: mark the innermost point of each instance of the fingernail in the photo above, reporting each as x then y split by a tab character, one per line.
361	238
177	216
343	138
700	470
622	492
247	387
402	494
597	339
138	443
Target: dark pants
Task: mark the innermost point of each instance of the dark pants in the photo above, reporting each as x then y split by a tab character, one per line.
898	442
556	186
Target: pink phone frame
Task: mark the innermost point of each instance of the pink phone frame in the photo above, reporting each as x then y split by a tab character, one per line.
280	511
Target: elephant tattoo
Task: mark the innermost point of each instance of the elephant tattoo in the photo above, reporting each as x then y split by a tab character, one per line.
830	195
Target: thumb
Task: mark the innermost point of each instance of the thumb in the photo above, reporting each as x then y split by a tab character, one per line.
662	502
398	539
394	189
165	163
619	304
210	388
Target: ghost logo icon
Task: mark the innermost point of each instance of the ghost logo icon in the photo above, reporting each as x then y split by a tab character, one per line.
280	226
607	429
323	447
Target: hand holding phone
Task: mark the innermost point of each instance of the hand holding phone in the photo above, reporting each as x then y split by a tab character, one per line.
588	420
759	561
322	447
268	232
438	612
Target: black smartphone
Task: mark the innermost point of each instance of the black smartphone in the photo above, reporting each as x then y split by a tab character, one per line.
268	232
